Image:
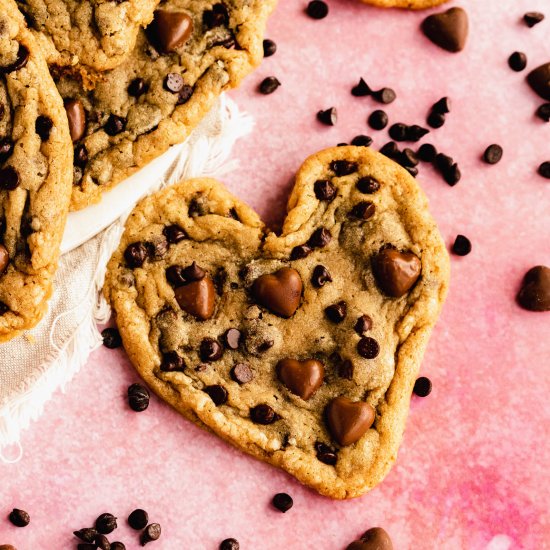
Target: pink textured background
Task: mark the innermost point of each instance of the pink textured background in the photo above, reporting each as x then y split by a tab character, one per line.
472	472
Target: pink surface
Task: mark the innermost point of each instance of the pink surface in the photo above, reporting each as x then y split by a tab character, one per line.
472	472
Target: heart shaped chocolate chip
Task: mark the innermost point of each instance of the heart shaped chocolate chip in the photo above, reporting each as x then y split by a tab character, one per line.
279	292
534	294
303	378
197	298
170	30
396	272
373	539
449	30
349	420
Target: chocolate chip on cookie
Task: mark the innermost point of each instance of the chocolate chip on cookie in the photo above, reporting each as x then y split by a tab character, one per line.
263	414
43	127
197	297
115	125
172	361
170	30
448	30
396	272
337	312
368	347
343	167
4	258
217	393
137	87
242	373
363	324
232	338
216	17
136	254
326	454
173	82
283	502
329	117
348	420
301	251
174	233
320	276
9	178
320	238
324	190
280	292
210	350
80	155
368	185
20	62
77	118
6	149
138	397
363	210
534	294
302	378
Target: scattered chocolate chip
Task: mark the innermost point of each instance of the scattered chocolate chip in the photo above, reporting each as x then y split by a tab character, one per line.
137	87
174	233
324	190
363	210
448	30
427	152
544	170
328	116
368	347
453	175
398	131
269	85
242	373
263	414
343	167
20	61
492	154
194	272
87	534
361	89
368	185
416	133
172	361
138	398
375	538
150	534
363	325
412	170
170	30
320	238
117	546
443	162
317	9
269	47
283	502
232	338
111	338
326	454
390	150
385	95
462	246
539	80
229	544
80	155
217	393
173	82
443	106
210	350
86	546
532	18
136	254
517	61
43	127
534	294
19	518
337	312
9	178
138	519
106	523
378	120
435	120
102	542
115	125
362	141
301	251
422	386
408	158
543	112
320	276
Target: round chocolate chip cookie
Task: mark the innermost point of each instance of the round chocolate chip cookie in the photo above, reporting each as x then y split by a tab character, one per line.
407	4
98	34
190	53
35	175
301	348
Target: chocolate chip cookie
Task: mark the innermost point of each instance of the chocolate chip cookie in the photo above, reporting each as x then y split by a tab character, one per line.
35	175
301	348
409	4
190	53
96	33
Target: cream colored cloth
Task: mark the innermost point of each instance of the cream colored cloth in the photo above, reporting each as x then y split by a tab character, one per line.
34	365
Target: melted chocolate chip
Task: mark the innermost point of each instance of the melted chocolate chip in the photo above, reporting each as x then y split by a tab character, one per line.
320	276
115	125
194	272
320	238
326	454
175	276
337	312
137	87
174	233
343	167
263	414
172	362
77	118
20	61
217	393
368	185
9	178
242	373
43	127
301	251
363	210
136	254
324	190
210	350
363	324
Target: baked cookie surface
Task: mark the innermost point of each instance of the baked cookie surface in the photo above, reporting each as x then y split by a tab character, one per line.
35	175
301	348
190	53
407	4
96	33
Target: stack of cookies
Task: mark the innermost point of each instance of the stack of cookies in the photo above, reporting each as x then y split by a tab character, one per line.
91	91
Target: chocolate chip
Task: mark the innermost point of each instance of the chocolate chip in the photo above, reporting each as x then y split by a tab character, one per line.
337	312
539	80
363	210
324	190
3	308
544	170
396	272
427	152
375	538
111	338
452	175
416	133
20	61
378	120
362	141
43	127
543	112
194	272
368	185
102	542
115	125
517	61
173	82
172	361
229	544
343	167
174	275
435	120
398	131
87	534
269	85
86	546
174	233
137	87
363	324
449	30
301	251
443	106
138	519
320	276
390	150
185	94
361	89
138	398
317	9
117	546
532	18
408	158
217	393
106	523
210	350
328	116
263	414
216	17
320	238
170	30
136	254
368	347
492	154
283	502
6	149
9	178
385	95
77	118
242	373
346	369
462	246
269	47
19	518
4	258
443	162
422	386
412	170
80	155
150	534
232	338
157	248
534	294
326	454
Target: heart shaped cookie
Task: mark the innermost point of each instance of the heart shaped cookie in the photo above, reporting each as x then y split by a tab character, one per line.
308	354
